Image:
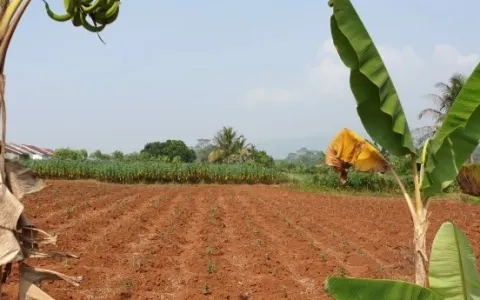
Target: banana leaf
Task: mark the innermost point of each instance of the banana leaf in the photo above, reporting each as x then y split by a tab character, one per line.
456	139
453	269
378	104
378	289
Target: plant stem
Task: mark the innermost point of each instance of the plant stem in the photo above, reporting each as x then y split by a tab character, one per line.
7	16
5	42
416	182
405	193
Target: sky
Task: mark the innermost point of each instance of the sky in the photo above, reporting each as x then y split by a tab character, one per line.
183	69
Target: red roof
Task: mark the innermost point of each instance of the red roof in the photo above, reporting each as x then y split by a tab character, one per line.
37	149
20	148
28	149
12	149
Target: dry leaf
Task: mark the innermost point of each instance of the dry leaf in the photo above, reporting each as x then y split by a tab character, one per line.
22	180
29	291
349	149
36	275
10	211
34	253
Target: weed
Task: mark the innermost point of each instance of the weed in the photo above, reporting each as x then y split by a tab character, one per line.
260	242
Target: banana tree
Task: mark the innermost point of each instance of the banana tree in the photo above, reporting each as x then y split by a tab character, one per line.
382	115
19	238
453	275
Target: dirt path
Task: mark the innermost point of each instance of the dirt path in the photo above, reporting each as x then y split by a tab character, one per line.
225	241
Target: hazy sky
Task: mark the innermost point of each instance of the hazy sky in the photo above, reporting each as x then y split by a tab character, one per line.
184	69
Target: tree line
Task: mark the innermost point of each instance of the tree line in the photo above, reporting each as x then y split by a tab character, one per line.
230	147
226	147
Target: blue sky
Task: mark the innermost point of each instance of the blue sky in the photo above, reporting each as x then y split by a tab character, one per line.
184	69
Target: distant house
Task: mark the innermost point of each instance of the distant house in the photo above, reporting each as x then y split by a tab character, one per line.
16	151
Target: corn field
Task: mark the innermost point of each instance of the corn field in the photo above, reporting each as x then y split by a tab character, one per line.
154	172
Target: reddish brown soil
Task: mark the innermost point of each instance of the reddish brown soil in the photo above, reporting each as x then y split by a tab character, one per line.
258	242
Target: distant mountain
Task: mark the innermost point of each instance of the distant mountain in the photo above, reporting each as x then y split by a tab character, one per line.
280	148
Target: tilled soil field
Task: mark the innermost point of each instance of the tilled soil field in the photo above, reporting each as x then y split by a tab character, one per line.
224	241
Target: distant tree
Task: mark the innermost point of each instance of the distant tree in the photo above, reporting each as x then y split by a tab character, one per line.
229	147
153	149
70	154
305	157
83	153
170	149
442	102
262	158
117	155
98	155
202	149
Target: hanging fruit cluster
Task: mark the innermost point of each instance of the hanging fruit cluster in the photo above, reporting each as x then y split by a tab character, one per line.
100	12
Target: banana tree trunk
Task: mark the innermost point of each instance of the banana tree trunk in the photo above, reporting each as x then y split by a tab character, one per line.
420	225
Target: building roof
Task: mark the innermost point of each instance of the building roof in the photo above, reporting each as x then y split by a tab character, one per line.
39	150
11	149
27	149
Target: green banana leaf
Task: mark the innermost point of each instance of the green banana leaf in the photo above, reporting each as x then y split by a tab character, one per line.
456	139
378	105
453	269
376	289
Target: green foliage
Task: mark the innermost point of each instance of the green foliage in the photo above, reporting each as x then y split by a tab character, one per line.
356	288
378	105
202	149
453	268
97	154
170	149
117	155
453	275
70	154
457	138
262	158
154	172
326	179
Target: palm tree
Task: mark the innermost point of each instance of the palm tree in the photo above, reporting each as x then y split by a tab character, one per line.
229	146
442	104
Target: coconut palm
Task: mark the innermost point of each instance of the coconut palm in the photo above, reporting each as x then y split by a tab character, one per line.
229	146
442	104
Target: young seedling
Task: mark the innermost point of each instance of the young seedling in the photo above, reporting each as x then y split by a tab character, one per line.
206	289
435	165
211	267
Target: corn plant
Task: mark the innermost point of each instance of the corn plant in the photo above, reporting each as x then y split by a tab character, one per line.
436	165
154	172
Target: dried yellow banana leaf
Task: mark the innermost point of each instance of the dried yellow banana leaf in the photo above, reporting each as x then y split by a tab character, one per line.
348	149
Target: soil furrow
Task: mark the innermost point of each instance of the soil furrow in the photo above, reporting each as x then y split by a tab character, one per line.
224	241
